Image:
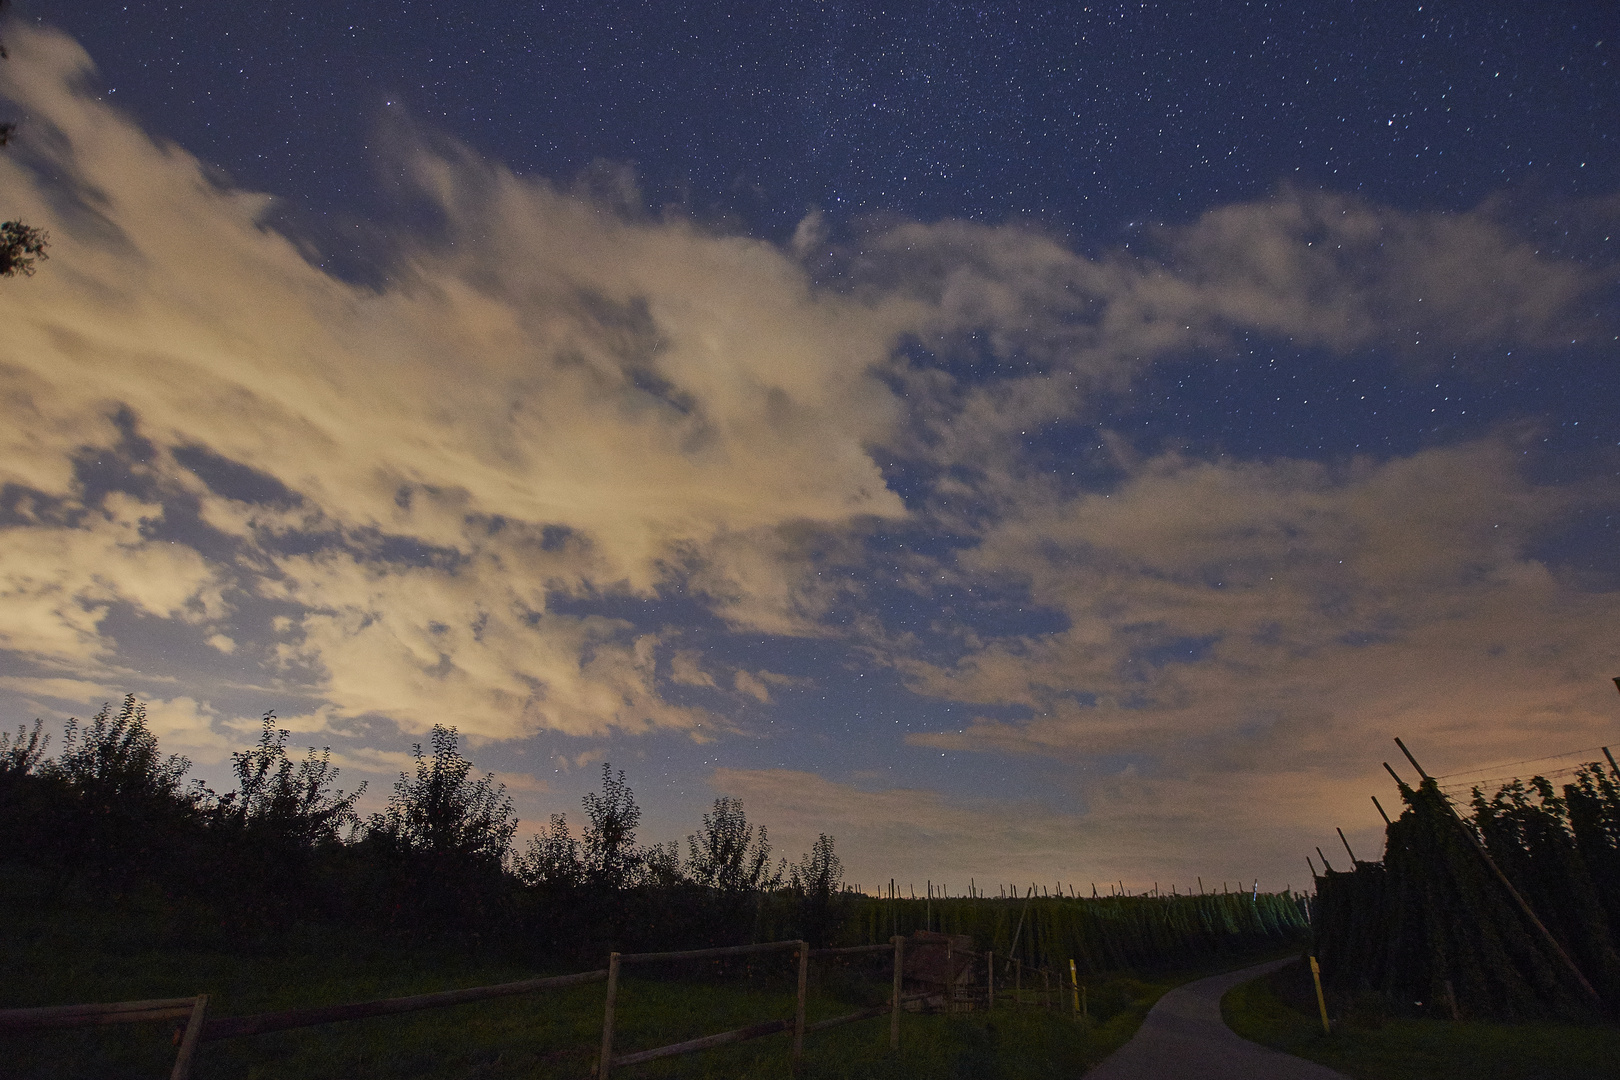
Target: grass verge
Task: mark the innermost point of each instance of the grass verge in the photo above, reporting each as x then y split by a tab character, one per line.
1279	1011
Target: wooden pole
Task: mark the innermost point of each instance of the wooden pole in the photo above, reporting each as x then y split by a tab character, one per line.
798	1010
899	975
1381	811
1346	843
1014	950
1612	765
1321	1002
990	980
1508	885
1018	983
950	978
1074	987
1046	988
604	1068
188	1041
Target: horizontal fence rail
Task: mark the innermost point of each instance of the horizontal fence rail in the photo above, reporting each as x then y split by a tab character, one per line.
702	954
115	1012
228	1027
607	1061
887	946
692	1046
193	1009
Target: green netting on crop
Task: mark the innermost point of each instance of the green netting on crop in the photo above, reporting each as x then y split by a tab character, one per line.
1104	934
1433	925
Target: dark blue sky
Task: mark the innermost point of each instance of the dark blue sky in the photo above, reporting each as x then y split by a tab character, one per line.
1035	424
1085	119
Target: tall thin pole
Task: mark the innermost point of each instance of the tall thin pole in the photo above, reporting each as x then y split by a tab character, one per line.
798	1011
1346	843
1014	950
899	976
1381	811
605	1068
990	980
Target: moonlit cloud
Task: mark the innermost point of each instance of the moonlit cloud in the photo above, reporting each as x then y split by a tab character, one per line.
563	456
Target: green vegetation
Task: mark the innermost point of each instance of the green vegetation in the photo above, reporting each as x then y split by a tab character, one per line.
1433	931
71	946
120	880
1367	1043
1113	933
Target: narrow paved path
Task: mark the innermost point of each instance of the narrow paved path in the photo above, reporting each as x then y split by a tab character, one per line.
1184	1036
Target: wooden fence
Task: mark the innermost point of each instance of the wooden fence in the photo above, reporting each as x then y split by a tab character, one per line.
199	1028
608	1061
193	1009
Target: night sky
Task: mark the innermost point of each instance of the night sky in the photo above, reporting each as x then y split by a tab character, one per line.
1034	443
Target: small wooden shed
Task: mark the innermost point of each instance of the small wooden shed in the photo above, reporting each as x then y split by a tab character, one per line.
942	966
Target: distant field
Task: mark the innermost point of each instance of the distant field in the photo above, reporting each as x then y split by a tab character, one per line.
58	951
1279	1011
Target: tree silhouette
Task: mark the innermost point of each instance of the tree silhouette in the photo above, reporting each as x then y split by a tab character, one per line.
292	802
725	854
21	246
611	858
442	811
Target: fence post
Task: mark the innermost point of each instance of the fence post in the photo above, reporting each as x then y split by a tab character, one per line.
1018	983
1321	1002
188	1042
798	1012
950	978
990	980
605	1066
1074	987
899	976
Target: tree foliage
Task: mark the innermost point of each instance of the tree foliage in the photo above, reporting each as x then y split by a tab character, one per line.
114	815
442	810
291	802
552	857
115	759
611	859
819	872
22	755
21	246
726	854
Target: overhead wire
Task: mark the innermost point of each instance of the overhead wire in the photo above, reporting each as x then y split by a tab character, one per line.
1511	764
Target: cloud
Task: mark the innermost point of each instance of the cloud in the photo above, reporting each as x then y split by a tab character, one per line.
58	583
686	668
550	399
753	687
1290	617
